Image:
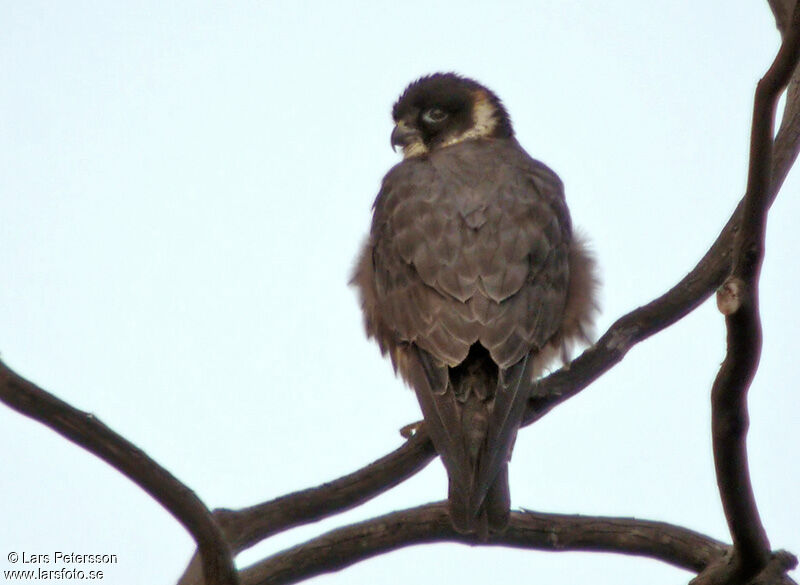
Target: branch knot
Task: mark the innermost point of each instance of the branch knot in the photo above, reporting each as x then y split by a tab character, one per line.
730	295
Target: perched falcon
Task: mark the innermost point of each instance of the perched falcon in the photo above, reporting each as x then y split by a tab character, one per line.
472	281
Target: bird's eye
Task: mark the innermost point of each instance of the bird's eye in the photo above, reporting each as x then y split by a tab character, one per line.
433	115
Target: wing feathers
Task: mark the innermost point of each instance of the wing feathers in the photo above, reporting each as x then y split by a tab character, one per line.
442	416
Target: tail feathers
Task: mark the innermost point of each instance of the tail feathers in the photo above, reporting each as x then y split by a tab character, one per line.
491	515
498	502
472	412
490	404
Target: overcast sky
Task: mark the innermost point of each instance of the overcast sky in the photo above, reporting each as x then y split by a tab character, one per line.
184	187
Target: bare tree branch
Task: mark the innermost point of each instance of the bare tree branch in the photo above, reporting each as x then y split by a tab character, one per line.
774	573
88	432
249	526
346	546
787	144
738	300
782	10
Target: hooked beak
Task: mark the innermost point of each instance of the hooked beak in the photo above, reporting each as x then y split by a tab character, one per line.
403	135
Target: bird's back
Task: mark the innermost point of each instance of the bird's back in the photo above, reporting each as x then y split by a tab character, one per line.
470	245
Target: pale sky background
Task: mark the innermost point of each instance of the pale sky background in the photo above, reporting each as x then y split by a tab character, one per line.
184	187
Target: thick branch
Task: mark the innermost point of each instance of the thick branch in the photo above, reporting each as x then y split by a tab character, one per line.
346	546
738	300
782	10
774	573
86	431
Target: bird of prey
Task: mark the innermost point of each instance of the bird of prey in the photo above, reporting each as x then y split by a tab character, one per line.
472	281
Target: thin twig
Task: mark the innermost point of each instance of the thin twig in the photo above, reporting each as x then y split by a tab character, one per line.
88	432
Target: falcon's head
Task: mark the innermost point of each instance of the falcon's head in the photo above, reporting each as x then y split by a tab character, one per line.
443	109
